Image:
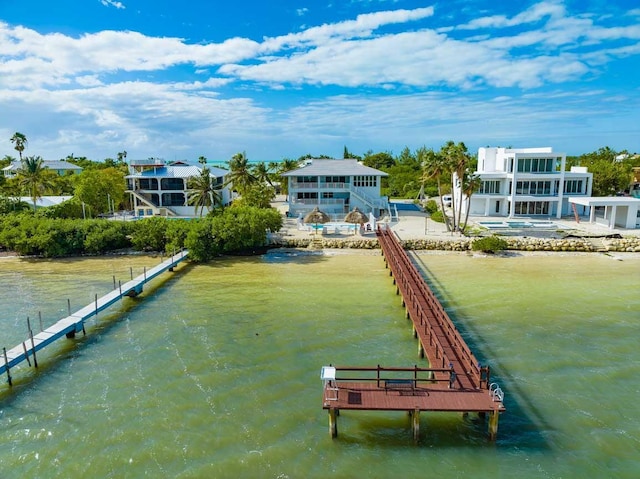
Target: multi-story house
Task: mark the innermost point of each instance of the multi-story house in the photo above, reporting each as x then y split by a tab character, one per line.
335	187
158	188
525	182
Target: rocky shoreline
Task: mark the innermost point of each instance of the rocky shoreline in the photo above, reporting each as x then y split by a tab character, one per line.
586	244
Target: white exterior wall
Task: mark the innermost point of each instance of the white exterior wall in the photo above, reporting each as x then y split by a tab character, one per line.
501	165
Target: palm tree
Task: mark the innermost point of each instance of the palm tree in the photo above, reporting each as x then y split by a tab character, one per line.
262	173
202	160
284	166
456	158
203	191
34	178
470	185
20	142
122	156
240	175
434	165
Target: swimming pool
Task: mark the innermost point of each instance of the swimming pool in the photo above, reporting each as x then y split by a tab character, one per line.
517	224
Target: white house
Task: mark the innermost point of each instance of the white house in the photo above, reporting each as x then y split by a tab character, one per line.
160	189
525	182
60	167
335	187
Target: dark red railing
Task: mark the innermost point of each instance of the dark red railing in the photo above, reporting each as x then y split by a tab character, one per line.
442	342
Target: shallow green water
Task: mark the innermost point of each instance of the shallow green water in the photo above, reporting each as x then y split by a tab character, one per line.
216	374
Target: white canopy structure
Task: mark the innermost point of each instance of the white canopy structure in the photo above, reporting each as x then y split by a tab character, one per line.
619	211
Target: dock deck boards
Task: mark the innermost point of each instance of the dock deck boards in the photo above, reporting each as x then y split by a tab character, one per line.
369	396
75	322
461	384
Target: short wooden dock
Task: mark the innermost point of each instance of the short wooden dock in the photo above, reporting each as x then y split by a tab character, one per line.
455	380
74	322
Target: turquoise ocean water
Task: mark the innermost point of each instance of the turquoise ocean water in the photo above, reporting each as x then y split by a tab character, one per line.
214	371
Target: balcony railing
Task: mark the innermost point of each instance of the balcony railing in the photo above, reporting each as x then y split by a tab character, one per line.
317	201
319	186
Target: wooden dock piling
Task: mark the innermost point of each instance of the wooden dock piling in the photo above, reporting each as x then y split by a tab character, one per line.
6	366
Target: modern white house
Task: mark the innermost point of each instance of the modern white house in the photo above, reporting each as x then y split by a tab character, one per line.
525	182
158	188
335	187
60	167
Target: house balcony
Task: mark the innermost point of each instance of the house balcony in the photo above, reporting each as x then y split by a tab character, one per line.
319	186
318	201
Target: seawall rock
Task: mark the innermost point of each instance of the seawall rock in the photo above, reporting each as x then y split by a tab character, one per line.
464	244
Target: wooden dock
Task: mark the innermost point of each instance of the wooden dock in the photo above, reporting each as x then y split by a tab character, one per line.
455	380
74	322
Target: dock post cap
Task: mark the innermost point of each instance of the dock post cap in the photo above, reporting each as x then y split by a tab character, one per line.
328	373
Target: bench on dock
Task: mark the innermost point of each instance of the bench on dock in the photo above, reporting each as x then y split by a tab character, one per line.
399	385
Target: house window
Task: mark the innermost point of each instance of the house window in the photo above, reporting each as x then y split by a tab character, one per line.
335	179
489	187
307	179
365	181
573	186
172	184
308	195
148	183
536	165
328	194
532	208
533	187
172	199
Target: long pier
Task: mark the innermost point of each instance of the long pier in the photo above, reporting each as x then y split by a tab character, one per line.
455	380
74	323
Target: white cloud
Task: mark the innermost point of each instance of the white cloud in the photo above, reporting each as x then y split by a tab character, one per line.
400	84
111	3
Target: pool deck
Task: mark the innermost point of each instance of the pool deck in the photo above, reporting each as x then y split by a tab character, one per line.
416	225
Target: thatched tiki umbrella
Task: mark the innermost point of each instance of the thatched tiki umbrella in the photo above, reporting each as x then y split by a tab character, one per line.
356	216
316	216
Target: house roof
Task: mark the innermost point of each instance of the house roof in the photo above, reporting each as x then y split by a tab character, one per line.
176	171
45	201
334	167
53	165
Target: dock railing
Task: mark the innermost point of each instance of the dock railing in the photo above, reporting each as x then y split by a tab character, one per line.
430	319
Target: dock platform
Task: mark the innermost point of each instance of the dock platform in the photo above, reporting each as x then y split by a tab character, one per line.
454	381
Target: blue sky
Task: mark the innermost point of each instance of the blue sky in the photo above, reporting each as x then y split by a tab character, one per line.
280	79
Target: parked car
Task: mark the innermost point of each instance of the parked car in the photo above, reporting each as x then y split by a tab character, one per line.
447	200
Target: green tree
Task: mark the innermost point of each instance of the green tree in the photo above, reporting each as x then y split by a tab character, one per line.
6	161
203	191
284	166
240	175
470	185
609	175
19	142
457	158
202	160
262	173
97	187
380	161
408	159
434	165
346	154
34	179
122	157
258	195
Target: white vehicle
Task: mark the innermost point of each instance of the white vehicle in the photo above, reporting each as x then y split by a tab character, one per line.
447	200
